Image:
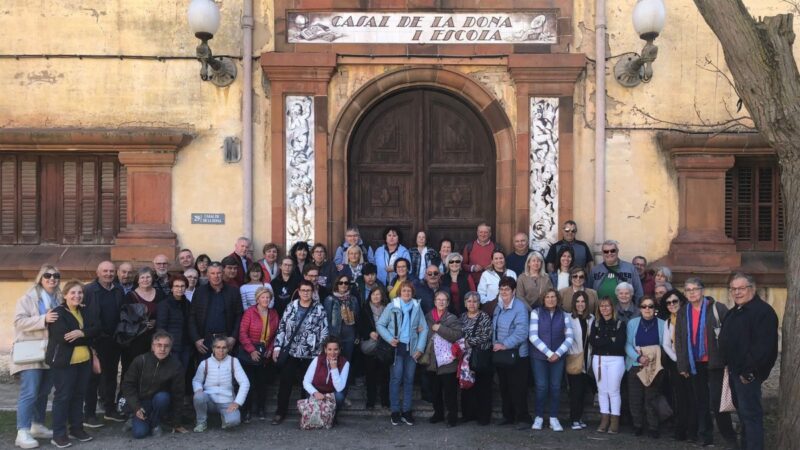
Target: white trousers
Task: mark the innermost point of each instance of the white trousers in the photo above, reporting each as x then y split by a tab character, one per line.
608	371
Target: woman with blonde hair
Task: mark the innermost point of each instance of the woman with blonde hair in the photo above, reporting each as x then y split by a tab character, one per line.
34	311
534	282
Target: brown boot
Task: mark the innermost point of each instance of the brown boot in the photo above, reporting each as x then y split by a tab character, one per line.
614	427
603	423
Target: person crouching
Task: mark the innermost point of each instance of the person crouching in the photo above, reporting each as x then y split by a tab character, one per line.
327	374
214	389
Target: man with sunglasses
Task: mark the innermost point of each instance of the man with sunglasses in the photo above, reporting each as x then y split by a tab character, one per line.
580	250
606	276
426	287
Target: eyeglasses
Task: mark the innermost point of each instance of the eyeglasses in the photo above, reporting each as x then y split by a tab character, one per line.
224	347
343	283
740	289
48	275
578	277
610	252
691	290
648	306
454	262
432	274
161	263
673	302
305	290
570	230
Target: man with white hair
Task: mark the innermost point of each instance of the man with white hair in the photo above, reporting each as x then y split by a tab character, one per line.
161	266
612	271
244	261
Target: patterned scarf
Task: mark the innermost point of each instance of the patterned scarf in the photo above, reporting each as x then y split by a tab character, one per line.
697	349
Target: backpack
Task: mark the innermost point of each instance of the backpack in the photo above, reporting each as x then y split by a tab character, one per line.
233	374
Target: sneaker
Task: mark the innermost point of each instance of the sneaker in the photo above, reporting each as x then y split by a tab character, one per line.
80	435
157	431
407	418
25	440
200	427
262	415
555	425
395	418
114	416
61	441
39	431
92	422
537	423
583	425
576	426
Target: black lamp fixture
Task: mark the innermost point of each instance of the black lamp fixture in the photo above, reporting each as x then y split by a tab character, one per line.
204	19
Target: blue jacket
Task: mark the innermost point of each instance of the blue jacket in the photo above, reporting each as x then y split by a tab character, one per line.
382	260
631	357
387	330
510	327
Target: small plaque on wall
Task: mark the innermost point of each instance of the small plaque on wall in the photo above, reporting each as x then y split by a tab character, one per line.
208	218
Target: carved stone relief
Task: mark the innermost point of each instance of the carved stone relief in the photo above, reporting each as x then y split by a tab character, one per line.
299	110
543	173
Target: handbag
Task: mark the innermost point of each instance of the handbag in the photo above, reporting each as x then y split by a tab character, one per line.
283	356
442	350
369	346
29	352
505	358
575	364
384	352
316	414
726	399
480	360
97	369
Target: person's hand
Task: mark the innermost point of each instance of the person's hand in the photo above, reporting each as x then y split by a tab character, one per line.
498	347
435	327
553	358
389	269
394	342
151	324
180	429
255	356
140	414
332	363
477	267
644	361
275	355
231	342
416	356
50	317
319	395
685	374
419	329
202	349
373	336
339	267
233	407
73	335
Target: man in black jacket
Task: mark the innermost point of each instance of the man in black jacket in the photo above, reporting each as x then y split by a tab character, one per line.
216	311
749	344
103	300
153	383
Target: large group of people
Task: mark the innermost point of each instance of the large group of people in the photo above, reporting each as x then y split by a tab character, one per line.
213	335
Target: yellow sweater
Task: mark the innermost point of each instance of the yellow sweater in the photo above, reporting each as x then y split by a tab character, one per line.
81	353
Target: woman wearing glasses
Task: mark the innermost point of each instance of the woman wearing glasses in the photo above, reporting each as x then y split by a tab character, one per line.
342	310
680	387
577	277
456	282
34	311
643	363
534	282
607	341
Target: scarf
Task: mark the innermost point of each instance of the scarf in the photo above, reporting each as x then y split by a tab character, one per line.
673	320
436	317
697	349
377	310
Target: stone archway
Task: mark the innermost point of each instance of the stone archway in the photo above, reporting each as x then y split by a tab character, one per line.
455	83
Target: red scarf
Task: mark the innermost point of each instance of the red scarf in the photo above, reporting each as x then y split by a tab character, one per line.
436	317
322	380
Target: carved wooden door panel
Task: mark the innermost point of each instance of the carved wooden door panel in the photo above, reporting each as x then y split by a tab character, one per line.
421	160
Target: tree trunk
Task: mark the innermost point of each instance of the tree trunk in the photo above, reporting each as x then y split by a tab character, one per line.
759	55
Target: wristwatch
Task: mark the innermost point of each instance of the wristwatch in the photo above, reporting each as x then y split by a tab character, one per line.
750	377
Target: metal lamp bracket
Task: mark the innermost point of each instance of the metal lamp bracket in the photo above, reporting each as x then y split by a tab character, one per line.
631	70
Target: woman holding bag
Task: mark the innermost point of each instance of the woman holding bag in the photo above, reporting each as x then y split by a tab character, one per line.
257	338
476	402
643	362
577	356
33	313
376	371
445	329
510	353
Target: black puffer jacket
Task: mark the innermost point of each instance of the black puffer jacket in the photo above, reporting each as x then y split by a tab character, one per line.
148	375
173	317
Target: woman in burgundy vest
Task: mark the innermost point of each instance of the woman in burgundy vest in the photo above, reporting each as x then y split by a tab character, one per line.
327	373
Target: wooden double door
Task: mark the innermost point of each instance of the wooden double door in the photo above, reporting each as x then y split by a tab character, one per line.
421	160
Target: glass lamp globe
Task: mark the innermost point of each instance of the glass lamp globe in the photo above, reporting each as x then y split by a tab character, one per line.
204	18
648	18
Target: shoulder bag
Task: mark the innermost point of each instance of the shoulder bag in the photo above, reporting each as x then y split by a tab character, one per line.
283	356
504	358
29	352
384	351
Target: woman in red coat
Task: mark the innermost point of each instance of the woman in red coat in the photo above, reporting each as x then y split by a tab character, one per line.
257	337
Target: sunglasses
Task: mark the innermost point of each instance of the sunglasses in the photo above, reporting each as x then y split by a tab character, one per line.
610	252
49	275
578	277
432	274
673	302
455	262
648	307
569	230
343	283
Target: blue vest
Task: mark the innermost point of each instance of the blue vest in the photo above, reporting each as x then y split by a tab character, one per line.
551	330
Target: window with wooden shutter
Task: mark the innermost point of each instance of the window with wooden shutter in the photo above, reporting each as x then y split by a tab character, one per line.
61	199
754	205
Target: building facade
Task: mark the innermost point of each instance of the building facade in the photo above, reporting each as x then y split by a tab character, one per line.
434	115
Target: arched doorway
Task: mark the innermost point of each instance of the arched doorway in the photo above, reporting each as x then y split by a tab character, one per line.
421	159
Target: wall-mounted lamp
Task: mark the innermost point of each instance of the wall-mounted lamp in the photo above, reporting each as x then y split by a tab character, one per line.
204	20
648	21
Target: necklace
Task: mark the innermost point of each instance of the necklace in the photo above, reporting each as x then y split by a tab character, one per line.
648	328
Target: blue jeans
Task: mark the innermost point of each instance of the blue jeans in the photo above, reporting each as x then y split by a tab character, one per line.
339	396
747	399
547	376
402	372
203	403
153	410
35	386
71	384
